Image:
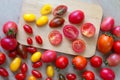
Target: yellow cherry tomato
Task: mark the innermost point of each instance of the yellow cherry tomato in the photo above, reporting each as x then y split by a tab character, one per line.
50	71
46	9
42	21
32	78
15	64
29	17
36	56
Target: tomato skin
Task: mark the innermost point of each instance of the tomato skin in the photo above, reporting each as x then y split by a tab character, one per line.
31	49
24	68
37	64
28	29
12	54
71	76
46	9
48	78
116	31
20	76
88	75
38	39
116	46
105	43
2	58
37	74
32	78
29	40
3	72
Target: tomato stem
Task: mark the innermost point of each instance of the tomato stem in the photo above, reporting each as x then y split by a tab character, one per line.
105	62
57	69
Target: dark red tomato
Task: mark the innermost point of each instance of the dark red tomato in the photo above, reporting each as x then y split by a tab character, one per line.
24	68
28	29
78	46
31	49
12	54
71	32
88	30
37	64
55	37
96	61
10	28
71	76
88	75
48	78
116	31
61	62
29	40
20	76
107	24
9	43
36	73
60	10
107	74
2	58
76	17
56	22
79	62
3	72
38	39
116	46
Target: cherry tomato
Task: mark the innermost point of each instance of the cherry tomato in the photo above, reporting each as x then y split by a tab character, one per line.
116	46
88	75
105	43
60	10
61	62
36	56
37	64
79	62
20	76
78	46
43	20
2	58
29	17
71	76
55	37
28	29
29	40
107	74
116	31
3	72
88	30
76	16
61	77
107	24
46	9
31	49
38	39
36	73
96	61
24	68
48	78
12	54
71	32
32	78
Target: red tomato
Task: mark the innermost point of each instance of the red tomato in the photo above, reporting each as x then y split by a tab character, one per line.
3	72
88	30
107	24
55	37
38	39
37	64
10	28
9	43
29	40
116	46
20	76
60	10
78	46
28	29
116	31
88	75
71	32
37	74
61	62
105	43
71	76
24	68
107	74
12	54
2	58
76	17
79	62
96	61
31	49
48	78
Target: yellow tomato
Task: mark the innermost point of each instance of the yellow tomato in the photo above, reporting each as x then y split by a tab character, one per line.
36	56
15	64
32	78
46	9
42	21
29	17
50	71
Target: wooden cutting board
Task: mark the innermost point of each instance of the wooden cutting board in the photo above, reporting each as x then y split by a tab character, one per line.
93	14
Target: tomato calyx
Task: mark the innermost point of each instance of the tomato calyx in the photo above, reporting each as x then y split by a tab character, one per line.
11	32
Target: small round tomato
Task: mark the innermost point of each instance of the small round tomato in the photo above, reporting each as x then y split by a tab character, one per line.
78	46
28	29
3	72
116	31
31	49
71	32
29	17
2	58
36	73
37	64
36	56
88	75
46	9
42	21
55	37
12	54
71	76
116	46
38	39
20	76
24	68
29	40
88	30
48	78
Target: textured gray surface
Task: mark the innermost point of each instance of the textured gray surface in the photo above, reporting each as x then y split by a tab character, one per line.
10	10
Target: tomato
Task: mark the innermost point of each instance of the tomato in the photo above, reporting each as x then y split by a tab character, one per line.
48	78
71	32
116	31
2	58
55	37
79	62
9	43
50	71
31	49
36	73
61	62
32	78
20	76
28	29
29	17
24	68
76	16
46	9
42	21
116	46
107	24
36	56
10	28
96	61
3	72
88	30
29	40
61	77
37	64
107	74
71	76
88	75
56	22
60	10
78	46
38	39
12	54
105	43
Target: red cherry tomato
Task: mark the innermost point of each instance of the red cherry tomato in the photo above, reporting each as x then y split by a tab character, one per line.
76	17
3	72
116	31
116	46
78	46
37	64
12	54
71	32
37	74
31	49
55	37
88	30
24	68
96	61
20	76
71	76
2	58
38	39
88	75
28	29
61	62
48	78
29	40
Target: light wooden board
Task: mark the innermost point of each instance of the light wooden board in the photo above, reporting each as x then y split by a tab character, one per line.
93	14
